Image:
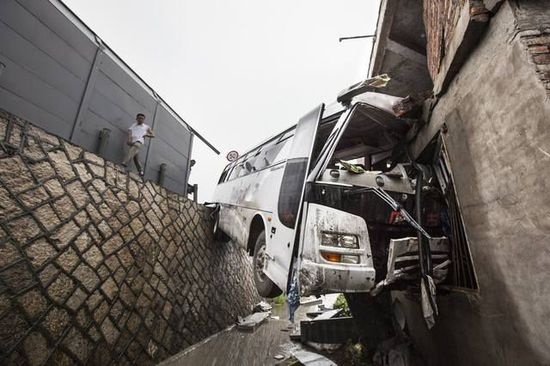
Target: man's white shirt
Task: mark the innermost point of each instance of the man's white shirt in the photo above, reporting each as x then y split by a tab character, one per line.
138	131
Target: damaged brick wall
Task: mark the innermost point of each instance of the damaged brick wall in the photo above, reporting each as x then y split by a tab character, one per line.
97	267
533	30
440	21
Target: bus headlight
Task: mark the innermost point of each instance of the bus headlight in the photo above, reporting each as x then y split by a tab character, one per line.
349	241
340	258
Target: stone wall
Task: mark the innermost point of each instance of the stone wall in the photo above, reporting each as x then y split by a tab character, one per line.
97	267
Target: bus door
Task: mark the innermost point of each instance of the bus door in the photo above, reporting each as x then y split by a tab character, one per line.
280	242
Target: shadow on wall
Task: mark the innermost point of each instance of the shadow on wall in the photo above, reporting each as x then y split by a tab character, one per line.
97	267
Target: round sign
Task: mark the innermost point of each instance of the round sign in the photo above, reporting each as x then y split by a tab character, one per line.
232	155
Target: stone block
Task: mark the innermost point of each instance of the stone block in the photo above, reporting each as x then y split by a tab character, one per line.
33	149
109	331
23	229
47	216
74	152
64	208
33	197
78	193
77	299
78	344
101	311
33	303
86	276
48	274
8	206
65	234
12	328
36	348
56	321
61	288
62	165
54	188
93	158
112	245
93	257
15	174
68	260
82	218
104	229
42	170
40	252
9	254
97	171
110	288
83	241
82	172
43	136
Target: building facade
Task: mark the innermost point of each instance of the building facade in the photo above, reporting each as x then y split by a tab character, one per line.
488	66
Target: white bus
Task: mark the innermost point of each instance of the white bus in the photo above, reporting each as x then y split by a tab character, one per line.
294	202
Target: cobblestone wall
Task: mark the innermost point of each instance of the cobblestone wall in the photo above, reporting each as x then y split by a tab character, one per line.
97	267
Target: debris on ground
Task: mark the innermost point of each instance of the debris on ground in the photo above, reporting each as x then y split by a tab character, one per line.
262	306
251	322
308	358
309	301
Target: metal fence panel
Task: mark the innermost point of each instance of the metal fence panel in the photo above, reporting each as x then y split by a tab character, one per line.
59	75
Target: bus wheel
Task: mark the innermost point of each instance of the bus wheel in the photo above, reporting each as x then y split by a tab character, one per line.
265	287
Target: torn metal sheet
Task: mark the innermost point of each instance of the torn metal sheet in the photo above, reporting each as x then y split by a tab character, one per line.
403	260
429	305
312	359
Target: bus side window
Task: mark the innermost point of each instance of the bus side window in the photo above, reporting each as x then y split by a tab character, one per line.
224	174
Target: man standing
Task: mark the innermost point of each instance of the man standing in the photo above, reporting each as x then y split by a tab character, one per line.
136	135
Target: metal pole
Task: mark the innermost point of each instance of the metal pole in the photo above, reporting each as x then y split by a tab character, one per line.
153	128
355	37
88	89
195	192
162	173
104	135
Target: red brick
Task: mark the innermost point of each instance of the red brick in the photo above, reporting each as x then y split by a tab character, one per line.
538	49
542	58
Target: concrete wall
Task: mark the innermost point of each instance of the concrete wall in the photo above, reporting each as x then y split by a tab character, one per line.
58	74
97	267
498	120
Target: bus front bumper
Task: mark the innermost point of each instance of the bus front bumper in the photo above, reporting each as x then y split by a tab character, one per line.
323	278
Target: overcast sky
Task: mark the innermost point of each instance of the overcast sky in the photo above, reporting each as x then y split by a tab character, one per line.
238	71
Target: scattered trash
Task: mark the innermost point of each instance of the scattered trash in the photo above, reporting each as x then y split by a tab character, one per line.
309	301
328	314
275	317
262	306
312	359
251	322
278	357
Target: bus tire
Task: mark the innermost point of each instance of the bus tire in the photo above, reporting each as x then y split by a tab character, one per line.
265	287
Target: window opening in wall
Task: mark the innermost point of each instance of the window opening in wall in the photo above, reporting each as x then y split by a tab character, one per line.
462	268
